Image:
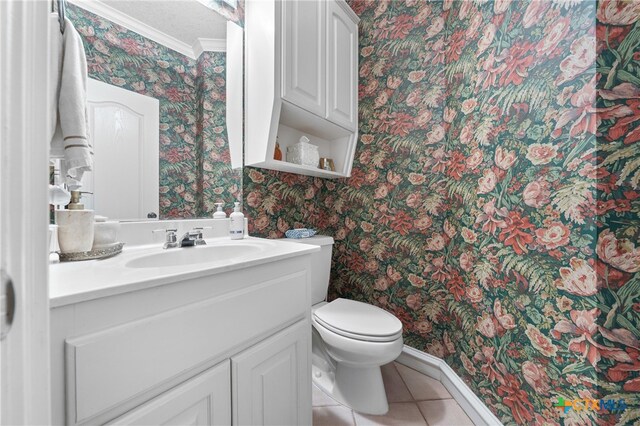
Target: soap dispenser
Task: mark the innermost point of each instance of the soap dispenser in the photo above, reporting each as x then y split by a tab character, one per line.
75	226
236	224
219	214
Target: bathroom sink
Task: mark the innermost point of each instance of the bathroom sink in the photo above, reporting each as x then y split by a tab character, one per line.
195	255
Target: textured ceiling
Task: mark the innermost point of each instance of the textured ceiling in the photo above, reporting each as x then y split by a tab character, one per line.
185	20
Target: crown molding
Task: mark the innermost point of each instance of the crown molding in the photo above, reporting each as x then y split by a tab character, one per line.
209	45
117	17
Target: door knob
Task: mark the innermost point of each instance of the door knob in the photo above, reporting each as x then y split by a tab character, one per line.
7	304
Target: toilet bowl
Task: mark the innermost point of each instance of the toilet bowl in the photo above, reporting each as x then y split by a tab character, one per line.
351	340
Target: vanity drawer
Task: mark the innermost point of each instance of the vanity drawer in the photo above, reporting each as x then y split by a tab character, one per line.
116	366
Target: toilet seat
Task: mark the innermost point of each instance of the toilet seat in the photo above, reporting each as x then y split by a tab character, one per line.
359	321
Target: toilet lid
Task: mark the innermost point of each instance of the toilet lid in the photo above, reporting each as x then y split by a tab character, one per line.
359	320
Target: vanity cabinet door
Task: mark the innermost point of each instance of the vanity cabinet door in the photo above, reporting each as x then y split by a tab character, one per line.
202	400
342	67
272	380
304	52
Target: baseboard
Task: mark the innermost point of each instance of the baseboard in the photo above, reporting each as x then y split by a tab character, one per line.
438	369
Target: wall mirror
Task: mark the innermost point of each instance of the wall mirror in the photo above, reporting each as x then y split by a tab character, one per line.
164	104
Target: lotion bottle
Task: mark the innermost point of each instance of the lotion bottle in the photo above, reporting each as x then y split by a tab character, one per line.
219	214
236	223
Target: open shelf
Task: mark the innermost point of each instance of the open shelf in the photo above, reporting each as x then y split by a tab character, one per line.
284	166
333	141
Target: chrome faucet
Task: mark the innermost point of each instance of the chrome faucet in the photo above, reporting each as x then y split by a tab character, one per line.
192	238
189	239
171	239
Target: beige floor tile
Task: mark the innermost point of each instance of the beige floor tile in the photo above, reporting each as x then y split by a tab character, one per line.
394	385
332	416
444	412
321	399
422	387
400	414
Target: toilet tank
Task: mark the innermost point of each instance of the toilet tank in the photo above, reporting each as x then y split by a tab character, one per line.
320	265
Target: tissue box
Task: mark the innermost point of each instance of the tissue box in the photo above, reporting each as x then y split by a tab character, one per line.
303	153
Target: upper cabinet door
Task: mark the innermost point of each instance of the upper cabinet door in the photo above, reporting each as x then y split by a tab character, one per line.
304	50
342	67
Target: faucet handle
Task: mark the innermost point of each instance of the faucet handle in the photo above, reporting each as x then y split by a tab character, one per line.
200	237
164	230
171	240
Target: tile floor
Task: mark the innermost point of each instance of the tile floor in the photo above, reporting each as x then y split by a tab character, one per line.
414	399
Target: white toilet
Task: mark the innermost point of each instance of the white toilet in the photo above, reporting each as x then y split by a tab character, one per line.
351	340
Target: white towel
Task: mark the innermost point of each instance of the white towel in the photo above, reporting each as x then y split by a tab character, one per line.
70	140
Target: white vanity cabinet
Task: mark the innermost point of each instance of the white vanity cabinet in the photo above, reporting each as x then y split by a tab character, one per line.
232	347
301	79
267	384
202	400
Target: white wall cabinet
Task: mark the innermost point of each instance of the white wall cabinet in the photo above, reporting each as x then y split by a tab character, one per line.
342	67
301	67
304	50
181	353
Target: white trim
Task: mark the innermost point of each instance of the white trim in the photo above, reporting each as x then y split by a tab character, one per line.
234	93
343	4
438	369
209	45
201	45
25	117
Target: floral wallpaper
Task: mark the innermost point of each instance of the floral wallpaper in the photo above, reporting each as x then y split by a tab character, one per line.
219	183
493	205
614	345
194	167
235	15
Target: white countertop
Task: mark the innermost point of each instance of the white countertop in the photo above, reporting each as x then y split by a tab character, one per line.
73	282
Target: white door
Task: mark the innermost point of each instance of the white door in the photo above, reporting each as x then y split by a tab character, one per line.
272	380
304	50
342	67
24	138
124	128
202	401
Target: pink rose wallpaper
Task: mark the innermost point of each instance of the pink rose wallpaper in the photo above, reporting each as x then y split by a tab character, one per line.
494	200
